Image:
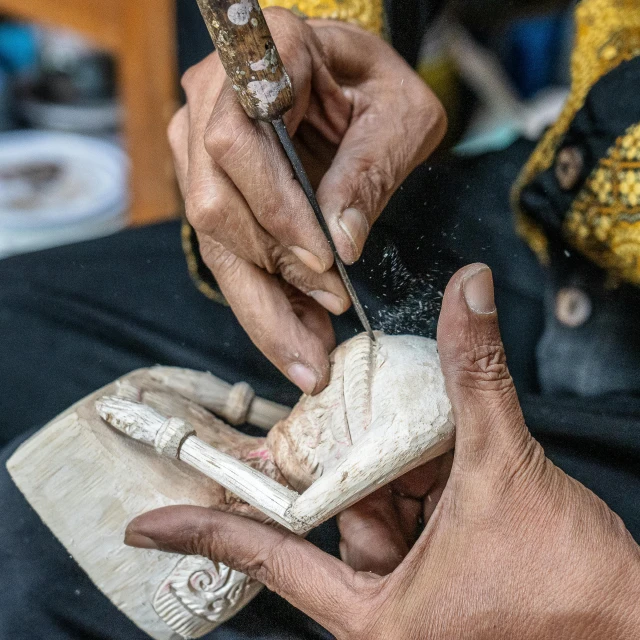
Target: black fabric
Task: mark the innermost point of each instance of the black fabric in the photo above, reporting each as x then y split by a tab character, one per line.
601	356
194	41
596	441
611	107
75	318
407	21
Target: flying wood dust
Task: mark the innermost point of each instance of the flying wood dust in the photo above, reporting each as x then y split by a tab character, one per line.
412	302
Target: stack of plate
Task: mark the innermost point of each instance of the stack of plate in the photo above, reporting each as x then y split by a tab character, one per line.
57	188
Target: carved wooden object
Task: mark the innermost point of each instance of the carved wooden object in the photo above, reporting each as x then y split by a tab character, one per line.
384	412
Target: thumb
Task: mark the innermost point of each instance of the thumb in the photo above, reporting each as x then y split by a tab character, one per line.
489	421
372	161
356	188
396	123
314	582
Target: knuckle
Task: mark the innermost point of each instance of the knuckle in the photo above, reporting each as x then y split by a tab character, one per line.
293	37
268	565
280	14
434	123
485	367
286	27
265	251
189	77
439	119
381	176
201	543
202	210
292	270
194	77
273	259
223	264
376	180
226	140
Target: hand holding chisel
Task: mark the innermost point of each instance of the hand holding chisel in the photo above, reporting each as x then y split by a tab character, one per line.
362	120
253	64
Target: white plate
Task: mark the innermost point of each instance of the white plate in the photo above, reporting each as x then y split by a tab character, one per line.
84	178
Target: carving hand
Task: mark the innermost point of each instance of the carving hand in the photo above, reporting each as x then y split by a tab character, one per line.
514	549
362	121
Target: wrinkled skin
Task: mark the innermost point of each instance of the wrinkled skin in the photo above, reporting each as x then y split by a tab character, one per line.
515	548
362	121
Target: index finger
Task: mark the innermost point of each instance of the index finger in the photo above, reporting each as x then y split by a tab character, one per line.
253	158
311	580
296	340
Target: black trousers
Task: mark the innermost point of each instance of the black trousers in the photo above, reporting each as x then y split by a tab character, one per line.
74	318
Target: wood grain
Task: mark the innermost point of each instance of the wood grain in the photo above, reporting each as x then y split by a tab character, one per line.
249	55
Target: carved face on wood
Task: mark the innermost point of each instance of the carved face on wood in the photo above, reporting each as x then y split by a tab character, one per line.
395	383
384	412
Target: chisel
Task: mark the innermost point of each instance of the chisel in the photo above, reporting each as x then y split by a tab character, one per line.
252	63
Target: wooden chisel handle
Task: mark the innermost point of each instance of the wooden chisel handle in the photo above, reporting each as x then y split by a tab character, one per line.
249	56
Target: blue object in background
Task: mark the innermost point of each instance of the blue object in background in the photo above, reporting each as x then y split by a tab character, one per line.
18	47
5	109
18	55
533	51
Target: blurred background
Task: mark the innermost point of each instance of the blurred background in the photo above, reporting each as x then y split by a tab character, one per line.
87	89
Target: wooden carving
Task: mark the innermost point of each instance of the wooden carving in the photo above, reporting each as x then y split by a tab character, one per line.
200	594
384	412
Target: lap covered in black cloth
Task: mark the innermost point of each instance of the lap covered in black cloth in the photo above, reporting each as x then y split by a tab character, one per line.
75	318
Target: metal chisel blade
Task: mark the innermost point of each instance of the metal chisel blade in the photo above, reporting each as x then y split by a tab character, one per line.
303	179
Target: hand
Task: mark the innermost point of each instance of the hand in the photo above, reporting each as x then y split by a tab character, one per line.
362	121
514	549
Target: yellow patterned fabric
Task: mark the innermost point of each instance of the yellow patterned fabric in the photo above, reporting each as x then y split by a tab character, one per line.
604	221
198	271
367	13
607	34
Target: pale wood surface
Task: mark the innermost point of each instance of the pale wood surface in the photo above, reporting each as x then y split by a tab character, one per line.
235	403
86	481
384	412
142	37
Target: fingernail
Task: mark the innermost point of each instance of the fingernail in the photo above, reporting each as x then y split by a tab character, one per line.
132	539
329	301
313	262
356	228
478	291
304	377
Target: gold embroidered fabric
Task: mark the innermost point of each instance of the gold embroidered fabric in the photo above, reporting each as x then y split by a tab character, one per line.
367	13
604	221
607	33
188	240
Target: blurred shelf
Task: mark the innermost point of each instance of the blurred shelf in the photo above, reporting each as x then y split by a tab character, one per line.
142	37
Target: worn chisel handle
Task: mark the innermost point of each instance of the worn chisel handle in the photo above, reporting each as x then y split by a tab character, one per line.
249	55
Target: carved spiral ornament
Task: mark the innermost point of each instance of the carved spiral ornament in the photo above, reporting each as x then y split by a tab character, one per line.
200	594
